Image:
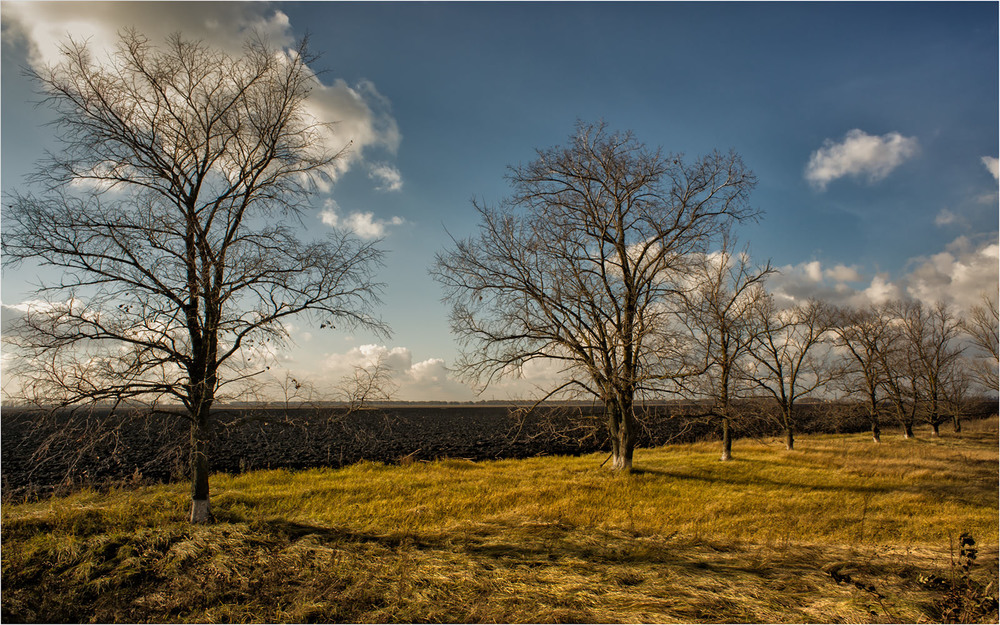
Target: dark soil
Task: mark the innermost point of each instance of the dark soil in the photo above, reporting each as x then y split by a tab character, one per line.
44	452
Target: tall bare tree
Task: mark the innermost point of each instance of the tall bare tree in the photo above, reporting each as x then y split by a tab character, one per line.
579	265
930	334
170	212
983	327
789	363
899	380
955	391
866	335
718	315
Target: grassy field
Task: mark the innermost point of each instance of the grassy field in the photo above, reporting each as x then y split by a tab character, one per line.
840	530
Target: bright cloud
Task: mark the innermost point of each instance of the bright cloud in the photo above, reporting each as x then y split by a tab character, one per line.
795	284
859	154
843	273
880	291
363	224
958	274
44	26
387	175
427	380
992	164
358	116
432	380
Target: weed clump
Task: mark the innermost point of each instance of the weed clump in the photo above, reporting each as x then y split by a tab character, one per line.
965	599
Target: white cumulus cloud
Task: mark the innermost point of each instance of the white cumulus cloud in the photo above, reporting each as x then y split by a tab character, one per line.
358	116
859	154
795	284
362	223
880	290
958	274
427	380
992	164
387	176
843	273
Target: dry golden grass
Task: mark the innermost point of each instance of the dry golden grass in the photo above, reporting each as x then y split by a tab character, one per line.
685	538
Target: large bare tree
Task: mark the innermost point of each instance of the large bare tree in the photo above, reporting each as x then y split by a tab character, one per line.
579	265
171	212
718	314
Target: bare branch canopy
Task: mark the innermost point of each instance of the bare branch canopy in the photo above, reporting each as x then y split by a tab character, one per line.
578	265
172	212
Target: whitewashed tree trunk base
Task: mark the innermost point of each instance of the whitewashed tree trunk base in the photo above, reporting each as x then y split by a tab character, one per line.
200	511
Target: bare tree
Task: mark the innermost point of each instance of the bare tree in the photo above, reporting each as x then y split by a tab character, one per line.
718	315
170	212
930	334
983	327
866	335
955	392
788	363
579	266
898	372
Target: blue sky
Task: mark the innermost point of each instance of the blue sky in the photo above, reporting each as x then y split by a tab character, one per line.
872	127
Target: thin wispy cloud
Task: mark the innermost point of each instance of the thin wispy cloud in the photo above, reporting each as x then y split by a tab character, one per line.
945	218
387	176
859	155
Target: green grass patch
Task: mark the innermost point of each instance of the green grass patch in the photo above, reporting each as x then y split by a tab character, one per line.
764	538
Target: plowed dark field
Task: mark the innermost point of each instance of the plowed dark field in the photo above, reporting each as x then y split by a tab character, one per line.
42	452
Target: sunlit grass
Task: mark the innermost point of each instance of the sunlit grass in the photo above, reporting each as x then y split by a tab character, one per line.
684	538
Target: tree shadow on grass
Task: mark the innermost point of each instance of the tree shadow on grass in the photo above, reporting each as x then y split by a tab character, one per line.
756	480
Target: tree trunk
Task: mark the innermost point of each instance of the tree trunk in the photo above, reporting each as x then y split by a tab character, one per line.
957	422
873	417
621	425
727	440
907	430
789	437
200	509
935	429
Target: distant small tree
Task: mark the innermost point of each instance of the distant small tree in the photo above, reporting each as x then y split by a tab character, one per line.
931	355
983	326
170	212
955	391
866	335
788	361
580	266
718	313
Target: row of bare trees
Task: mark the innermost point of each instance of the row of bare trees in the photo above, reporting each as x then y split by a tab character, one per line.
901	361
601	260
